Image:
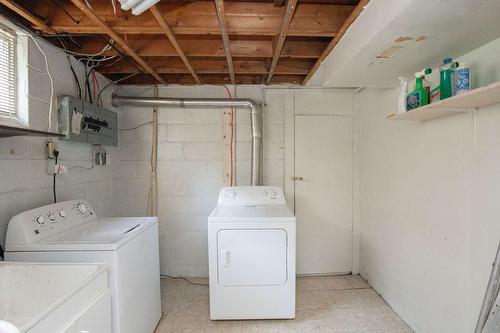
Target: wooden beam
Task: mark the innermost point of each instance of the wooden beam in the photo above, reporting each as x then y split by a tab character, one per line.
161	21
37	23
155	46
352	17
199	18
287	19
187	79
221	15
293	79
279	3
117	38
174	65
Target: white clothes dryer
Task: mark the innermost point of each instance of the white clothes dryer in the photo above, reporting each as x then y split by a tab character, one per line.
251	239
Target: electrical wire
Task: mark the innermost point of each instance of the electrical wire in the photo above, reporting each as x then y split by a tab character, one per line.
91	159
122	54
184	279
114	7
88	4
60	5
136	127
56	156
75	76
115	82
106	48
50	79
87	86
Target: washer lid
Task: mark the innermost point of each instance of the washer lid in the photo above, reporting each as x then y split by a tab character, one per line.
106	234
260	213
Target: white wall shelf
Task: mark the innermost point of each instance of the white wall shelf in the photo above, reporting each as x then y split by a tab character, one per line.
465	102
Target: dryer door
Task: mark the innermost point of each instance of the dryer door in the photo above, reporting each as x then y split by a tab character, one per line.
252	257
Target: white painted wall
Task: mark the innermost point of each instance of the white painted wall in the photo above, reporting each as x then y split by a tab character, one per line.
429	205
24	181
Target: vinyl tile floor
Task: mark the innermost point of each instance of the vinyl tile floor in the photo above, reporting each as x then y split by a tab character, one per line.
323	304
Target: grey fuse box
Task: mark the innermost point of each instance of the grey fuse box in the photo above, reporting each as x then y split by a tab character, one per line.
84	122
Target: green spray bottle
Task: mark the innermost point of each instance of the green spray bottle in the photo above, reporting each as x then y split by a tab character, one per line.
420	95
447	78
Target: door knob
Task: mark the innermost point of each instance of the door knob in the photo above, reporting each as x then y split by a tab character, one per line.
297	178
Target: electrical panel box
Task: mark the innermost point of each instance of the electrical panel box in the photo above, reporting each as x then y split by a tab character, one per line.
84	122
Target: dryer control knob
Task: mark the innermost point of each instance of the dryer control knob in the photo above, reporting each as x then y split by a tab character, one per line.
82	208
52	217
40	219
231	193
62	213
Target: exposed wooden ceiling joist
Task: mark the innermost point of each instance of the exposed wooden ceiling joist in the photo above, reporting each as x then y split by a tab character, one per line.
215	66
155	46
117	38
168	32
198	17
260	40
37	23
221	15
280	41
352	17
187	79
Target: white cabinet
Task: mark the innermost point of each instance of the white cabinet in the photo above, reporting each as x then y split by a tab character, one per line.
97	317
71	328
91	318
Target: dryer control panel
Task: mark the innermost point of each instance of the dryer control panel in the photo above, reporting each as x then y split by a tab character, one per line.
251	196
45	221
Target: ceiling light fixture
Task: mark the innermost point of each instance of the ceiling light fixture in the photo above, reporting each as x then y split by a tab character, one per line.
138	6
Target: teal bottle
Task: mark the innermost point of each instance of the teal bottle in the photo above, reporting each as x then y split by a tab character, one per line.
447	80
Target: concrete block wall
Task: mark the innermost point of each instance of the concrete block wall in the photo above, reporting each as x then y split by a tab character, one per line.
24	180
191	166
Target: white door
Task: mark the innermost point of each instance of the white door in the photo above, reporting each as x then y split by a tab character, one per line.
323	193
253	257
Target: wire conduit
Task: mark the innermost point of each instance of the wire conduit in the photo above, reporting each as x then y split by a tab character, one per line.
241	103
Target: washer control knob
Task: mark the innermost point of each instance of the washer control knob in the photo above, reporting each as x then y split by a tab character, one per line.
274	193
40	219
62	213
82	208
52	217
231	193
265	193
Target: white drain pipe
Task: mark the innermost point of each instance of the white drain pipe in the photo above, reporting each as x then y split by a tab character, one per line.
242	103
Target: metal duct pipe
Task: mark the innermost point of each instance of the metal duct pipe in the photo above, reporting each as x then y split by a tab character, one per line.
242	103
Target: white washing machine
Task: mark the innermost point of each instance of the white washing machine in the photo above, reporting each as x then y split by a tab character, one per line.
70	231
251	240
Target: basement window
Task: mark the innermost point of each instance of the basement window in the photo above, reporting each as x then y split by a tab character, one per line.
13	76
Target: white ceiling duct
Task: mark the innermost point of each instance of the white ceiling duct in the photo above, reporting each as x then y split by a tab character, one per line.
138	6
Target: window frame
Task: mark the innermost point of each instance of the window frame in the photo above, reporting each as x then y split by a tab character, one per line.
21	116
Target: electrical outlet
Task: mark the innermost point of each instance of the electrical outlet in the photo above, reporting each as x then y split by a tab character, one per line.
50	147
56	169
